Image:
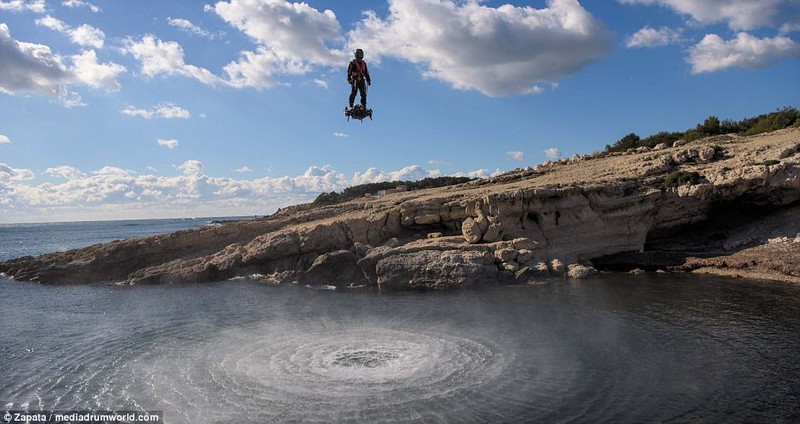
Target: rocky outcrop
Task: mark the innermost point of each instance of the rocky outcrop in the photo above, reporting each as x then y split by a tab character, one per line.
777	260
511	228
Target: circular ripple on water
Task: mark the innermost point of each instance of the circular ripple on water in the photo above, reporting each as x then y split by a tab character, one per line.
327	374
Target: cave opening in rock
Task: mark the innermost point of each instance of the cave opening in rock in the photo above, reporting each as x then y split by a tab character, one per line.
728	227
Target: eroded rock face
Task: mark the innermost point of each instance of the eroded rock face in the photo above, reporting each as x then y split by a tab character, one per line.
511	228
339	268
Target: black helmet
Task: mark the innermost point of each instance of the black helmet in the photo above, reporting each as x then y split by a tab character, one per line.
359	54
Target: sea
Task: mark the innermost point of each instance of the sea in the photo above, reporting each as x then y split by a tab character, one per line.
615	348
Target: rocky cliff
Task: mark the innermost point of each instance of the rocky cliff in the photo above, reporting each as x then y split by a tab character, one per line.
612	211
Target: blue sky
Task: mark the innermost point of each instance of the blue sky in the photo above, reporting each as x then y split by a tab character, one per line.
138	109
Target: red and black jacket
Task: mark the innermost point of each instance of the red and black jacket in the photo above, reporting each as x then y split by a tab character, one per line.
357	71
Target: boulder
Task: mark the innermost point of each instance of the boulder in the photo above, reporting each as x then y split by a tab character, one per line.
557	266
431	269
505	254
579	271
707	153
493	233
471	230
510	266
540	268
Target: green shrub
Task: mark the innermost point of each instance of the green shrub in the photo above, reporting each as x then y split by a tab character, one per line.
357	191
679	178
694	134
782	118
663	137
630	141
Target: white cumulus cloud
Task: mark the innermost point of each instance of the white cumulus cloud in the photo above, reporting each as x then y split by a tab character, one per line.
789	28
159	57
84	35
497	51
650	37
30	68
295	32
480	173
8	174
170	144
409	173
36	6
713	53
160	111
291	38
187	26
4	139
553	153
34	68
80	3
516	155
66	172
120	193
191	167
738	14
89	71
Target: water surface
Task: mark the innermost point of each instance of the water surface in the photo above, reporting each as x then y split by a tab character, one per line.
615	348
632	349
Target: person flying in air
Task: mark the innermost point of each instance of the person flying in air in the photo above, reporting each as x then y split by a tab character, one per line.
358	77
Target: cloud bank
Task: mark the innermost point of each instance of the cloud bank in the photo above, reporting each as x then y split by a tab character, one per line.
737	14
36	6
466	44
34	68
65	192
498	51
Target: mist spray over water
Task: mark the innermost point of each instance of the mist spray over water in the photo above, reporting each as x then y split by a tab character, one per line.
240	351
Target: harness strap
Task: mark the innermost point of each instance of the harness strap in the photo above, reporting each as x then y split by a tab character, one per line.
361	68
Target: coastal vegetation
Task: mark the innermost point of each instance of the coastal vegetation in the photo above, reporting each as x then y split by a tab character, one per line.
711	126
361	190
679	178
780	119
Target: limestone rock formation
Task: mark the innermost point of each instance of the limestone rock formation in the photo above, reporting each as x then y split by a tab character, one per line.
515	227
